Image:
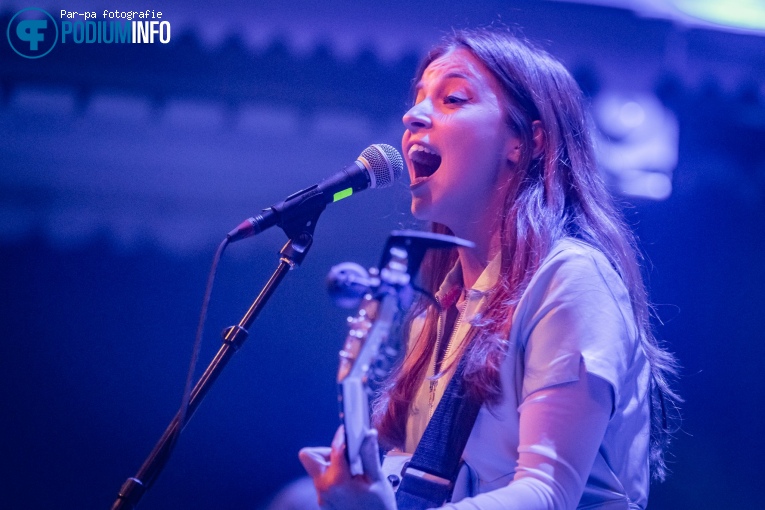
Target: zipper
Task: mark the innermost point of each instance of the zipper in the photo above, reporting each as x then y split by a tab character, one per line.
439	338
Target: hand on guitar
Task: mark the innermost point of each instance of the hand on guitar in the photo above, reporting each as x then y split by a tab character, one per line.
337	488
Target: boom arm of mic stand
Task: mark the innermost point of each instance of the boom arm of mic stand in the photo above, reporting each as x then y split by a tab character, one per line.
292	254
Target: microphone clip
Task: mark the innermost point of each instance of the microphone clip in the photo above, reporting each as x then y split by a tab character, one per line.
294	221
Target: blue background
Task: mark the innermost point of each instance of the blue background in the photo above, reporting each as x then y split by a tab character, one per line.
122	167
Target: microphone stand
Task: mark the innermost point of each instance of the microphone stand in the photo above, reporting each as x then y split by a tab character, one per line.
299	229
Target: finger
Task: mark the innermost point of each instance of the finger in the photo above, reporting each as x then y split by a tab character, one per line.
338	441
338	444
314	460
337	456
370	456
322	451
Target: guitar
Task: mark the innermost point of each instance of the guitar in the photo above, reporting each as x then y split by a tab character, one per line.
368	330
388	292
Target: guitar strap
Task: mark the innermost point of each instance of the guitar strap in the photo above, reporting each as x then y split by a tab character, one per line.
429	478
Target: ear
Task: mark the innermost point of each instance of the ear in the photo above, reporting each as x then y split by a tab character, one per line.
538	137
514	147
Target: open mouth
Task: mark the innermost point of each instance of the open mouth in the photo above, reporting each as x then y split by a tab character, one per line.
425	162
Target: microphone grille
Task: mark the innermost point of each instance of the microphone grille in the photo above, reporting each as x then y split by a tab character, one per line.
384	164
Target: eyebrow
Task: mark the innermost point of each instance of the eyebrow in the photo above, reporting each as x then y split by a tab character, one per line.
453	74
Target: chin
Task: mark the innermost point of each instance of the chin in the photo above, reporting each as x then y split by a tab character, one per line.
419	211
424	209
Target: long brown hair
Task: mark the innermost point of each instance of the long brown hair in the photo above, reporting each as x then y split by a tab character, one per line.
558	194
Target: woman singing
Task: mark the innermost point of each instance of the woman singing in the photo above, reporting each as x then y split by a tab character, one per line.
548	310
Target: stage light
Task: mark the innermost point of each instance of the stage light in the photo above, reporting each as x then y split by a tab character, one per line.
636	143
746	14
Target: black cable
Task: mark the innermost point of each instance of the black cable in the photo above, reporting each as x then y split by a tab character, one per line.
200	330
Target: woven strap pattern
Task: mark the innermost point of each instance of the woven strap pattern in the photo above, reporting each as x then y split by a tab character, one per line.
439	452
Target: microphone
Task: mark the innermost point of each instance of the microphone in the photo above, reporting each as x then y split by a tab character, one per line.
377	167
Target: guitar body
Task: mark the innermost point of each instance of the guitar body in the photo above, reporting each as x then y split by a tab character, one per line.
393	466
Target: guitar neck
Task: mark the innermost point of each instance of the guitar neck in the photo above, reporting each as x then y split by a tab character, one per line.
369	330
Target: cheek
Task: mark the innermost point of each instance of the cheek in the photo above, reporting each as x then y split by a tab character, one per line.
481	131
478	151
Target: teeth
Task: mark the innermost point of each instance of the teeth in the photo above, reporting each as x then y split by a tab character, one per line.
417	147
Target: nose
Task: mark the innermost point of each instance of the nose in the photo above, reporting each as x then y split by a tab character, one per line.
418	116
